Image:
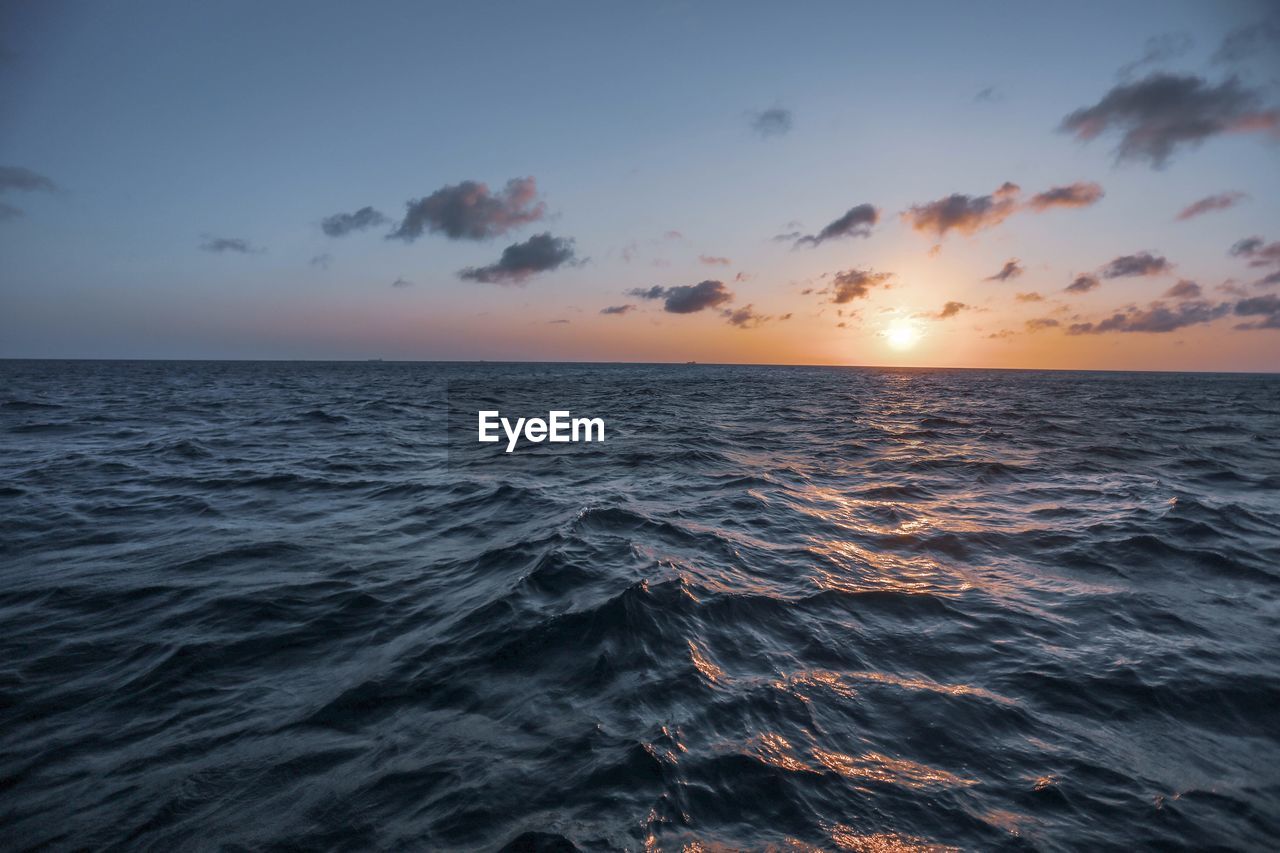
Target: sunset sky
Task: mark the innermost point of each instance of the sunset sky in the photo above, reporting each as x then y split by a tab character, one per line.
1088	185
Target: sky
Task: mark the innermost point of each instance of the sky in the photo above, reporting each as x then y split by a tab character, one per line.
1000	184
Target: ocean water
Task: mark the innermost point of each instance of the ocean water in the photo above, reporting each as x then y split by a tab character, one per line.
254	606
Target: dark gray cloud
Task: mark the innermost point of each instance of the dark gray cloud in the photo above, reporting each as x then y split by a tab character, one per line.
774	121
964	213
1079	194
856	222
469	211
1011	269
1267	307
341	224
1184	289
856	284
687	298
1210	203
1083	284
1163	112
18	179
618	309
322	261
1260	254
744	317
402	282
1157	318
989	95
228	244
1038	324
1141	264
519	261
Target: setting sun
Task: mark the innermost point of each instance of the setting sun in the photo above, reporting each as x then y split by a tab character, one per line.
902	335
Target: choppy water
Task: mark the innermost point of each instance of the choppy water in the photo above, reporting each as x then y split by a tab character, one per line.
253	606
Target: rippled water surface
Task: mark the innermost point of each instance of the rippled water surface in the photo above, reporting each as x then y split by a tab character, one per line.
251	606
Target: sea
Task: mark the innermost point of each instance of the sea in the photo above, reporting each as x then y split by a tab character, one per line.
270	606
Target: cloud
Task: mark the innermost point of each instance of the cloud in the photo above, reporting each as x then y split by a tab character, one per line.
989	95
1083	284
1259	252
774	121
712	260
618	309
1011	269
856	222
1184	289
1267	307
18	179
744	317
1028	297
1141	264
1079	194
1157	318
322	261
1243	43
951	309
540	253
687	298
468	211
228	244
1163	112
964	213
402	282
1041	323
856	284
341	224
1210	203
1159	49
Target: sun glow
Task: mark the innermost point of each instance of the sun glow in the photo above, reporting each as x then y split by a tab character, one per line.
902	335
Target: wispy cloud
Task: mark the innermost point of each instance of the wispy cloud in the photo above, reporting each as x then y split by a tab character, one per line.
618	309
1140	264
1083	284
1210	203
1157	318
714	260
18	179
745	317
857	284
1184	289
856	222
341	224
1011	269
220	245
964	213
774	121
1079	194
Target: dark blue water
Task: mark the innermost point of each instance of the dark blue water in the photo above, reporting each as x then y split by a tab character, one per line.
286	606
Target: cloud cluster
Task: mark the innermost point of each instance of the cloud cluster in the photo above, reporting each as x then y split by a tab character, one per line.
687	298
341	224
469	211
1163	112
856	222
1260	254
1012	269
970	214
1157	318
18	179
1267	307
744	318
519	261
774	121
854	284
1210	203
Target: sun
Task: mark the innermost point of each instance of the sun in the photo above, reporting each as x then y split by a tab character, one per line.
902	335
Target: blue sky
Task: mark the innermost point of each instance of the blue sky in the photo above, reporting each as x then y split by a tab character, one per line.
167	126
